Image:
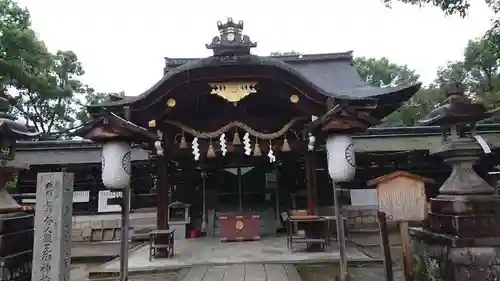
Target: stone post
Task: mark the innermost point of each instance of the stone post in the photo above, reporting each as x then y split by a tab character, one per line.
53	221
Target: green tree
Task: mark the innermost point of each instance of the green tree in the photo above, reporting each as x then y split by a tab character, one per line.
478	71
417	108
43	87
50	104
92	97
22	55
462	7
450	7
381	72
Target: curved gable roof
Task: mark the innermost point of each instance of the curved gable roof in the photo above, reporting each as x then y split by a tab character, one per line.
332	75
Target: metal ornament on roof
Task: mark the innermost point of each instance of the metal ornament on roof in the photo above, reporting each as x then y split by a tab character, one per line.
231	42
233	91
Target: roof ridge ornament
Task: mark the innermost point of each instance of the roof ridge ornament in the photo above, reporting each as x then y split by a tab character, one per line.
231	41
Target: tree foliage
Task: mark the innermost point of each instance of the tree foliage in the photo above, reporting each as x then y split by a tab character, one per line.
478	71
450	7
50	107
22	55
381	72
47	94
44	88
461	7
93	97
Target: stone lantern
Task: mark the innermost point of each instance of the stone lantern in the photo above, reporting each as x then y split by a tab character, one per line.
117	135
461	238
16	228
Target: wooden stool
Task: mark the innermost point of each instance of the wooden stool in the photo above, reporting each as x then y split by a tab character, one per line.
161	239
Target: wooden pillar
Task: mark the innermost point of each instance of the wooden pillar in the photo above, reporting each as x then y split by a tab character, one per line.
162	192
310	169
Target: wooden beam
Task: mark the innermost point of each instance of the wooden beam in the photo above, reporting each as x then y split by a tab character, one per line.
162	186
310	170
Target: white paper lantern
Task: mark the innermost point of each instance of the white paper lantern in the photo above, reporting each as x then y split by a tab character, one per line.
116	165
340	153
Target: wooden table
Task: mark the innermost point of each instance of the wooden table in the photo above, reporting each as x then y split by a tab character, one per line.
317	231
161	240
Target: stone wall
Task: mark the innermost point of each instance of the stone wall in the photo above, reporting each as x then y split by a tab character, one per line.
359	218
107	227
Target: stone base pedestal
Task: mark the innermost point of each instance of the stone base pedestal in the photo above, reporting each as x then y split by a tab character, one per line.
448	258
16	246
460	240
465	215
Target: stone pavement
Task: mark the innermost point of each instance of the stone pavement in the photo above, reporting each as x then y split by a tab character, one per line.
80	270
210	252
240	272
235	272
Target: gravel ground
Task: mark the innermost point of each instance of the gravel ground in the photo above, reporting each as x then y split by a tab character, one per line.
367	272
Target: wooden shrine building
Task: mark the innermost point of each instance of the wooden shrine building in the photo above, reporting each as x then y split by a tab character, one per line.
238	131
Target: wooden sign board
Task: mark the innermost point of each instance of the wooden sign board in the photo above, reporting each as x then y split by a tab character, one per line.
402	196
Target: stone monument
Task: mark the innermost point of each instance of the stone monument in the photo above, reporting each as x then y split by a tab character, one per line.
461	238
53	218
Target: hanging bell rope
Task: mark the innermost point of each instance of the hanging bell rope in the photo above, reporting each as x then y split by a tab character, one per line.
211	150
286	146
235	124
183	143
236	138
256	150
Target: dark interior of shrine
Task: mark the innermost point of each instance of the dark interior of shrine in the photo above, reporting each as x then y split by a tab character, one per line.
222	186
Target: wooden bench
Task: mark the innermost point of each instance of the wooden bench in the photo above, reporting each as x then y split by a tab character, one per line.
161	239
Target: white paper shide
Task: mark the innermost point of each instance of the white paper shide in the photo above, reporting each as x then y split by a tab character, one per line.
341	161
116	165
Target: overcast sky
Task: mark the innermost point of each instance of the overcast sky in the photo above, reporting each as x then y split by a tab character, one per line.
122	44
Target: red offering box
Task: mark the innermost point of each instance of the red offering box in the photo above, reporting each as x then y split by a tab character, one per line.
239	228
